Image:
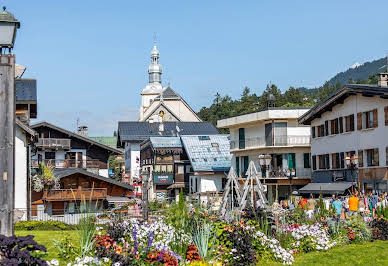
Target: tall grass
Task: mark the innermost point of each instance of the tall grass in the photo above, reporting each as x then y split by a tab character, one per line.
202	237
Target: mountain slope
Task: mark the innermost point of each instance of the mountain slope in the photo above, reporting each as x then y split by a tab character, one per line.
360	73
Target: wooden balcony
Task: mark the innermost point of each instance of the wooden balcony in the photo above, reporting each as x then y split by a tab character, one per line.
51	143
84	164
75	194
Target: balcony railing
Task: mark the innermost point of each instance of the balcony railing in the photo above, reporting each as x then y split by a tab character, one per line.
75	194
69	163
260	142
51	143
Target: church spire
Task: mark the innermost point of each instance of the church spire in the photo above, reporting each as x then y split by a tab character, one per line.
155	69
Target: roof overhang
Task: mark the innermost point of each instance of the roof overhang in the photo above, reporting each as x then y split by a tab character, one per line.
325	188
339	96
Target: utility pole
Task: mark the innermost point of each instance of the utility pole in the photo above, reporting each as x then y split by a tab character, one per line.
8	27
7	142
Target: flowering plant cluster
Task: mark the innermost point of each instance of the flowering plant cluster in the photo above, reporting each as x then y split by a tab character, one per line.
45	178
309	237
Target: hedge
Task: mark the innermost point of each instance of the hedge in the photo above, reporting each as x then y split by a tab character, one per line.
43	226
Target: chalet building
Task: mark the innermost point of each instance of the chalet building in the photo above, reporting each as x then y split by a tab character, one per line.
210	161
275	132
79	190
26	99
61	149
24	139
169	167
131	133
351	122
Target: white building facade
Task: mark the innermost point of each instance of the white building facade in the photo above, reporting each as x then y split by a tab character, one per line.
354	121
276	132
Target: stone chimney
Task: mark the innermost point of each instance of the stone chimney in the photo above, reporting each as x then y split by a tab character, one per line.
383	77
83	131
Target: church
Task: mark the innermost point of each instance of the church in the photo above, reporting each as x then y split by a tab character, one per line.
163	104
163	112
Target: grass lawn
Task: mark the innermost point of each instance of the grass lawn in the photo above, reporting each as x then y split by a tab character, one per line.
46	238
375	253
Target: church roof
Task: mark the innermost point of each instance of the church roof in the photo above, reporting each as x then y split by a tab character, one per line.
139	131
169	93
165	106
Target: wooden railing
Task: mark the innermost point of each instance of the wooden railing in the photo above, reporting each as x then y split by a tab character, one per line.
92	163
53	143
75	194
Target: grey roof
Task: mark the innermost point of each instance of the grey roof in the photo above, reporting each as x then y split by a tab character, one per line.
166	142
118	199
325	188
169	93
339	96
208	153
139	131
61	173
25	89
72	134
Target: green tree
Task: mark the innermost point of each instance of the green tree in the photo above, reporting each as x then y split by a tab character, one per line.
115	166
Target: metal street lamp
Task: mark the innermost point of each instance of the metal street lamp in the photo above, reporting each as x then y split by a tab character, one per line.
351	163
8	27
265	161
145	176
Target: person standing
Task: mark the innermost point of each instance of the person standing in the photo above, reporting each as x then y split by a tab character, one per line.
311	207
337	205
353	204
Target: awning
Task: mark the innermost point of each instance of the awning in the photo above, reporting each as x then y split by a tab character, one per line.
325	188
177	185
118	199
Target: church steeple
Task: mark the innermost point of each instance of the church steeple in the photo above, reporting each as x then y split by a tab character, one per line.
155	69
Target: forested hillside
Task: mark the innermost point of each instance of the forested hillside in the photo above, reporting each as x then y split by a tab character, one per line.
224	106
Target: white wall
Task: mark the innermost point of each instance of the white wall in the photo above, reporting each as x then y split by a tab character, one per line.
20	169
357	139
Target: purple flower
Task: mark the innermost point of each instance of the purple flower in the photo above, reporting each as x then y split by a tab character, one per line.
150	239
134	235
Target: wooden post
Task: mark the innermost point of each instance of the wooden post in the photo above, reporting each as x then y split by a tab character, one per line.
7	142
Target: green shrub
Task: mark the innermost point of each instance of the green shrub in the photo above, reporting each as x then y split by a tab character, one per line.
43	226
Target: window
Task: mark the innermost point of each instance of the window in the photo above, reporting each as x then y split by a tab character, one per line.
335	160
342	160
241	138
313	132
349	123
203	137
238	166
360	158
49	155
157	168
181	169
215	145
326	128
334	126
341	124
372	157
245	165
163	168
321	131
314	161
323	161
306	160
367	119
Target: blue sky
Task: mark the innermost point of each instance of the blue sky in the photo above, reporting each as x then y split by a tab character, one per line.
90	57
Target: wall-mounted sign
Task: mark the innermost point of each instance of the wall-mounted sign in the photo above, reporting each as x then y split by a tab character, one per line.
163	179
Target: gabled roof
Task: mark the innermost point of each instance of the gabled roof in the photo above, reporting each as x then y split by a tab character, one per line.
166	142
74	135
339	96
25	90
139	131
208	153
156	108
108	141
24	127
61	173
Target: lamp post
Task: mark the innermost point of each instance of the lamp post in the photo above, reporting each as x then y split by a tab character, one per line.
145	176
351	163
8	27
291	174
265	161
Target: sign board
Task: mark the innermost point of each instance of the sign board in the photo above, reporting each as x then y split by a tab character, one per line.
163	179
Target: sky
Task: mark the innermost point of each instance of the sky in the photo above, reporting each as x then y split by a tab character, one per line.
90	57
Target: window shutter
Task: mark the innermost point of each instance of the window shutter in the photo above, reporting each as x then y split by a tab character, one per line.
359	121
313	132
375	119
386	115
326	128
327	161
376	157
342	160
314	162
332	127
360	158
351	122
341	124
